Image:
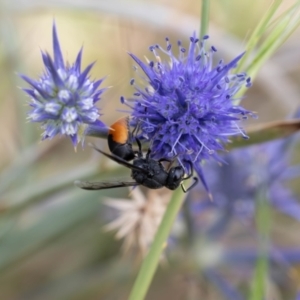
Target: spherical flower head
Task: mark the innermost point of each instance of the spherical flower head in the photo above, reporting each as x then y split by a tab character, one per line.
188	108
63	99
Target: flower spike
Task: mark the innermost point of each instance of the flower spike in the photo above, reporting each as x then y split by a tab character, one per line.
63	99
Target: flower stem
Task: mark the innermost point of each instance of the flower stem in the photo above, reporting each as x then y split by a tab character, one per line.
263	223
151	261
204	18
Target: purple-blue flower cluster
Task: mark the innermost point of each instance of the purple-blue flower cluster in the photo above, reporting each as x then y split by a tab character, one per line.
63	99
188	107
237	183
235	265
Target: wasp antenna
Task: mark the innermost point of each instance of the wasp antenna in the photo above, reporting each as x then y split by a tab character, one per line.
140	152
139	144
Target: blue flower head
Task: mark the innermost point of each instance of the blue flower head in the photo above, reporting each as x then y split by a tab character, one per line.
188	107
63	99
237	184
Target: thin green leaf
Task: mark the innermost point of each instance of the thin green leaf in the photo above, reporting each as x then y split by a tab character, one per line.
271	44
37	191
22	163
21	241
258	32
291	10
282	30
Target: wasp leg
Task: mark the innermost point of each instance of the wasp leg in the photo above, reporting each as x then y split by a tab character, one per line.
171	161
191	170
166	159
191	186
140	152
136	128
189	176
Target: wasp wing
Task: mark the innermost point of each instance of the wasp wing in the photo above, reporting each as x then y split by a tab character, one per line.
119	160
102	185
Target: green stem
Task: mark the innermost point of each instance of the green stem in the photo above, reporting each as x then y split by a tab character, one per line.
263	223
150	263
204	18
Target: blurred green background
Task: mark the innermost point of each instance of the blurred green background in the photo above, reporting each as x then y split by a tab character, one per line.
52	245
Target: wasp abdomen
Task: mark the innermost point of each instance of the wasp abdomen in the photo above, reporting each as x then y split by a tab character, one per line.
119	140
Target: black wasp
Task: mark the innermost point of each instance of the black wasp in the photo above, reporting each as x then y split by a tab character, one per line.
144	170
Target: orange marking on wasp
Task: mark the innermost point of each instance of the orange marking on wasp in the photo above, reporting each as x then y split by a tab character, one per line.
119	131
119	139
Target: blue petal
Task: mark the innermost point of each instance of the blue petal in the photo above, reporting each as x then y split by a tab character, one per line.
225	69
53	71
58	58
83	75
150	74
202	178
77	64
96	96
74	139
239	256
96	84
181	98
97	129
289	206
34	84
29	92
45	60
292	172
